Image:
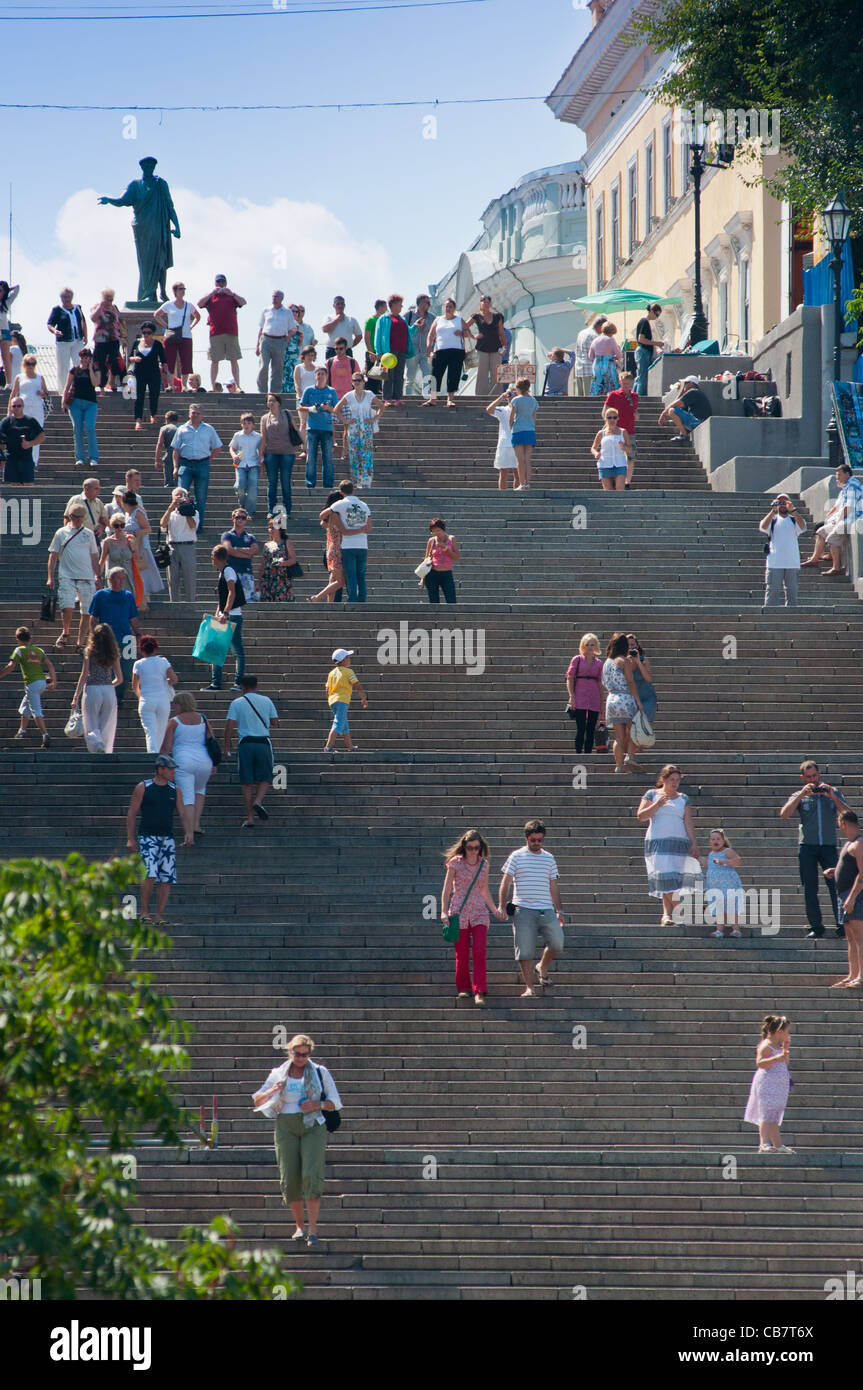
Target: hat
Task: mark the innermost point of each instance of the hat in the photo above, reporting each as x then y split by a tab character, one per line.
165	760
692	378
221	277
341	654
121	488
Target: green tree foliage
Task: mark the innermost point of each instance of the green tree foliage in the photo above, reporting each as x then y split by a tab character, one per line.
89	1045
802	60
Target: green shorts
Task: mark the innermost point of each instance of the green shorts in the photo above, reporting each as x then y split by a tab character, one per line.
301	1156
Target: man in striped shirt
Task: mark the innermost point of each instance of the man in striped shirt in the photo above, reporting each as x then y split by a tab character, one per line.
532	882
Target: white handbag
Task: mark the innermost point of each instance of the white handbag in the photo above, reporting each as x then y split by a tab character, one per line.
423	569
74	724
642	730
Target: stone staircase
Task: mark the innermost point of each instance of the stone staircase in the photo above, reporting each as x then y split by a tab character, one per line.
483	1154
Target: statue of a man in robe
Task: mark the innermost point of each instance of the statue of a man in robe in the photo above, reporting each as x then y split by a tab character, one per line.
153	224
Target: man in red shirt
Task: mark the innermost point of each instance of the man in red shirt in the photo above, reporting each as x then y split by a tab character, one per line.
625	401
222	305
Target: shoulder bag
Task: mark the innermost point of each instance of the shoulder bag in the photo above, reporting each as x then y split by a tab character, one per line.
452	925
332	1118
211	743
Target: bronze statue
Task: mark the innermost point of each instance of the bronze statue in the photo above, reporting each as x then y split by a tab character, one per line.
153	224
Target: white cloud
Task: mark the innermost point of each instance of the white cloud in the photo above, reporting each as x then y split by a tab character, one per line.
302	248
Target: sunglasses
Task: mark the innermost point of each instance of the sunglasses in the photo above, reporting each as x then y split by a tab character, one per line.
301	1056
535	839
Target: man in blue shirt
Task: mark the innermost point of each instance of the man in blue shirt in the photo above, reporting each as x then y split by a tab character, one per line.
116	606
251	716
321	400
194	445
816	804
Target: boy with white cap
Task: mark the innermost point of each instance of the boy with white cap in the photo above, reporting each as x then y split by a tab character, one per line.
340	687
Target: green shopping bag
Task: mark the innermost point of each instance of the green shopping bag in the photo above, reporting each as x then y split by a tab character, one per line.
213	641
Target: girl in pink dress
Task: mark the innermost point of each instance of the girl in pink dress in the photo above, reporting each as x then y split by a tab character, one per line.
771	1084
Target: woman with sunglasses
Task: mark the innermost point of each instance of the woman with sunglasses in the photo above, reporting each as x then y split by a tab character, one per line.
118	549
79	399
466	893
359	410
297	1095
146	360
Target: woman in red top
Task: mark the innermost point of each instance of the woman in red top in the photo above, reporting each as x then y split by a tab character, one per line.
442	550
465	892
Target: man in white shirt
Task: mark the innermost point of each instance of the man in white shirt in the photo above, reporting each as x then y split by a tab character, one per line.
783	527
273	330
583	363
341	326
354	519
250	717
531	881
73	557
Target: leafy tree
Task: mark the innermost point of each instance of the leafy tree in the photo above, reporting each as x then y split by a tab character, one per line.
88	1043
799	59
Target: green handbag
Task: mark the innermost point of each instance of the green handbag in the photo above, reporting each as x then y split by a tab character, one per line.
452	926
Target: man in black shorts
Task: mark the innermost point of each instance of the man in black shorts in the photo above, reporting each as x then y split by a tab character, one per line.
251	716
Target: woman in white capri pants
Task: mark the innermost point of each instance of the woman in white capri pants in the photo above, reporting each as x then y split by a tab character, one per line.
185	741
96	691
152	678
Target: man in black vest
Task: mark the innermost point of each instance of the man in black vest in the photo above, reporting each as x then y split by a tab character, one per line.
230	609
157	799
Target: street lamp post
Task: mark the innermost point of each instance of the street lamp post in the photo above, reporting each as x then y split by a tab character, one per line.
835	224
698	330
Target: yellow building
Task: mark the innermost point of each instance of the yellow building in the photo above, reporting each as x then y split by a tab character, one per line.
640	215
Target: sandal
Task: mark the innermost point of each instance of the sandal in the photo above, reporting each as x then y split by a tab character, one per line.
62	641
719	933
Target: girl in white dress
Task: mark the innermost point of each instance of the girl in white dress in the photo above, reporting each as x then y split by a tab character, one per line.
670	848
505	460
30	386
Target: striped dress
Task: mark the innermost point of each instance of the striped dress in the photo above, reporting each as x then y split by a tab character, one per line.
670	866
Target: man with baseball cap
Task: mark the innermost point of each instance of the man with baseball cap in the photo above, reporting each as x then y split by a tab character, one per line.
222	305
689	409
339	688
156	800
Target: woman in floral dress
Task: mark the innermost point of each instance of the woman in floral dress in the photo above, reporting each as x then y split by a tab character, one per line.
333	556
358	411
274	582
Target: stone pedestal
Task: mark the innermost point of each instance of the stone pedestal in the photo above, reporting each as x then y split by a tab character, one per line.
133	318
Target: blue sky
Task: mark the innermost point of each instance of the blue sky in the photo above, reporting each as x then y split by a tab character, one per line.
406	205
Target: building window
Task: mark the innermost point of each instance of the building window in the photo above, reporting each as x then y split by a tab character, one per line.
649	157
667	165
615	227
685	161
723	314
632	198
745	306
598	246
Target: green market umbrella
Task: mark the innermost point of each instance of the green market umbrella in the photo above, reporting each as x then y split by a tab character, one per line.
621	300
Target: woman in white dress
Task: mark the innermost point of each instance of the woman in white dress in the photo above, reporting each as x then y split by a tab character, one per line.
152	678
30	386
185	739
138	525
505	460
670	848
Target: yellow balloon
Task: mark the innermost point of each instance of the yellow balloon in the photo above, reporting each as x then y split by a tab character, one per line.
389	360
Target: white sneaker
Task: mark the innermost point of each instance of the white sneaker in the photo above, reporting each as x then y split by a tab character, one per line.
528	994
765	1148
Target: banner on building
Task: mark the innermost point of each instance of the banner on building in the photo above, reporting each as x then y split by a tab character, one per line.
848	410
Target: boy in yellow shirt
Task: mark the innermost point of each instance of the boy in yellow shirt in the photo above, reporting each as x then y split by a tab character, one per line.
340	686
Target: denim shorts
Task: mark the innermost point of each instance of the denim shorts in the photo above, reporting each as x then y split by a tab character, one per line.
686	417
6	337
618	471
530	922
856	913
524	437
340	717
